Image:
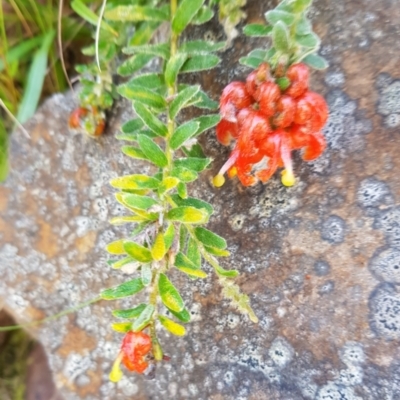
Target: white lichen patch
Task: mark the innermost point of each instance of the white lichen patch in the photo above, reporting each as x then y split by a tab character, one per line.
281	352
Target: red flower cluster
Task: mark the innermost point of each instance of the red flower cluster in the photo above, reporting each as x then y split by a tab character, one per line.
80	116
267	121
135	347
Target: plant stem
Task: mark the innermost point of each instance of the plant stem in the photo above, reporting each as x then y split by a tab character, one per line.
52	317
172	91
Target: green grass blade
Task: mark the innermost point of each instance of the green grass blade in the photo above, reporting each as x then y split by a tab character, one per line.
19	51
34	84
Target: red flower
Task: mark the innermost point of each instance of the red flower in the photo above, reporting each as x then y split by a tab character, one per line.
268	124
135	346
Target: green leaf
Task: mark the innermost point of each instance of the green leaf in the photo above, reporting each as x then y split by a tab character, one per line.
225	273
169	236
183	236
283	83
217	252
209	238
145	272
200	63
135	182
116	247
185	265
192	202
182	190
193	163
134	152
158	250
188	215
316	61
257	30
142	94
184	174
303	26
171	326
204	15
186	11
251	62
280	37
310	41
183	315
258	53
201	47
152	151
20	50
144	31
156	50
35	79
150	120
132	125
206	122
133	64
169	295
173	67
275	16
143	319
136	201
183	133
195	151
124	290
138	252
193	253
134	13
201	100
88	15
182	100
150	81
129	313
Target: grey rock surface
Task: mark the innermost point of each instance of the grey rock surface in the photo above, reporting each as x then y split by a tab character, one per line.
320	260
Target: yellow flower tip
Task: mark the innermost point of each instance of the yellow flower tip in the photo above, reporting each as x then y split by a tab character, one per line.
232	172
288	178
116	373
218	180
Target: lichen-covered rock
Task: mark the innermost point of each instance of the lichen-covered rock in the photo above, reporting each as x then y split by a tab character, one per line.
319	260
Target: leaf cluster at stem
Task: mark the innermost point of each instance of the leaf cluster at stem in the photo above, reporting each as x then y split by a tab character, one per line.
293	39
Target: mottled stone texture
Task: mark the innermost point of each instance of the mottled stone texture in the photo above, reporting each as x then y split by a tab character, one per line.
320	261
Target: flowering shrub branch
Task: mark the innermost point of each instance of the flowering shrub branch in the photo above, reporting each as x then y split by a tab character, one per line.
168	231
273	112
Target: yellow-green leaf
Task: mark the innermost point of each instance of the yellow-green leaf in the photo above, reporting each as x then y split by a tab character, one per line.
116	373
121	327
116	247
171	326
188	215
169	294
138	252
158	251
135	182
